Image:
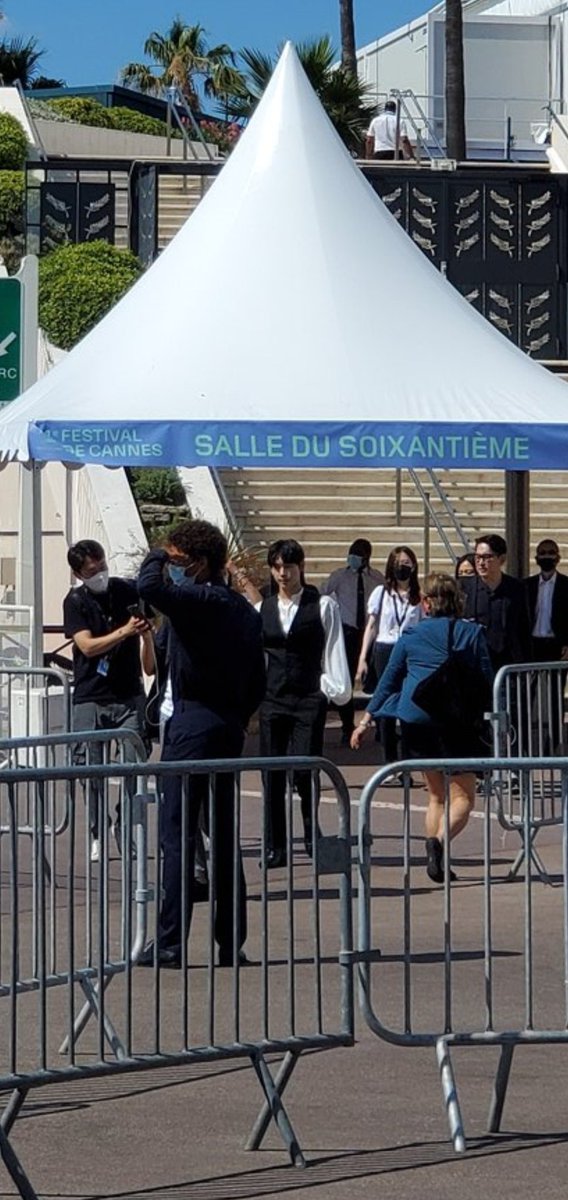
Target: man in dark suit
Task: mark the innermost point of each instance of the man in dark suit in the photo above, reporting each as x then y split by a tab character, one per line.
499	603
218	679
547	595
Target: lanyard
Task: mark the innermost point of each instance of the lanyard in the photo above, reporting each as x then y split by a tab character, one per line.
399	617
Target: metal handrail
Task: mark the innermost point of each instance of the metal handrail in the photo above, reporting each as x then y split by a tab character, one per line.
408	93
233	526
428	507
403	107
443	498
555	119
175	101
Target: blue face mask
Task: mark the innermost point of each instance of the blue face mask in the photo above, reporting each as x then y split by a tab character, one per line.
355	562
176	574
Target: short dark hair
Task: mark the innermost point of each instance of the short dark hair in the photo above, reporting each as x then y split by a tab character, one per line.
77	554
201	539
361	547
548	542
390	106
288	549
495	542
469	557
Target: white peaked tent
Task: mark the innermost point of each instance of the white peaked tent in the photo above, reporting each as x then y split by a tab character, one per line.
291	322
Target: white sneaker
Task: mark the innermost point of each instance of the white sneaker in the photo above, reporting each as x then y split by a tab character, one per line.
95	850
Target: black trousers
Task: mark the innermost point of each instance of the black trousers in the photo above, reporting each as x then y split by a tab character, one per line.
552	702
387	725
290	725
195	732
353	639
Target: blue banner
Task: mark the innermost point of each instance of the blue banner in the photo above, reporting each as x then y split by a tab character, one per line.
302	444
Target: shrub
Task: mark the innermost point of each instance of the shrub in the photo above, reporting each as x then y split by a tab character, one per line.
223	136
11	203
82	110
156	485
78	285
13	143
135	122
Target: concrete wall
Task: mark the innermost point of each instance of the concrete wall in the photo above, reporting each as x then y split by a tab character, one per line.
84	141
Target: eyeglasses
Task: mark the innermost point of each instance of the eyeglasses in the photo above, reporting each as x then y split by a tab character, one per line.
484	557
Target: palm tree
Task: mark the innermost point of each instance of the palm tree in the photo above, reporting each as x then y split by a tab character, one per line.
455	84
347	26
341	93
180	58
19	61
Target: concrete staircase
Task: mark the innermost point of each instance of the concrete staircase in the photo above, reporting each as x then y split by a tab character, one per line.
178	196
326	509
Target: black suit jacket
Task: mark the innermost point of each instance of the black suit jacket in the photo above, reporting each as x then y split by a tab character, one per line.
559	614
504	614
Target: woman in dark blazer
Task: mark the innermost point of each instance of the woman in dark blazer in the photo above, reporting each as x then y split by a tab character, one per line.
419	652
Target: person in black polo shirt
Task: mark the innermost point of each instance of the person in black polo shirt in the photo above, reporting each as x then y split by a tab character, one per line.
107	667
499	603
306	667
218	677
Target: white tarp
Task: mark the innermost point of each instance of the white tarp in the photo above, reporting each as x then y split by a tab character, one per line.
292	322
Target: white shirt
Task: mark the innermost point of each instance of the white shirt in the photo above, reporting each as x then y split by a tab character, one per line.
343	584
543	612
335	681
383	130
397	614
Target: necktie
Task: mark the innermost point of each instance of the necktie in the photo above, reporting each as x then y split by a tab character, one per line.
361	614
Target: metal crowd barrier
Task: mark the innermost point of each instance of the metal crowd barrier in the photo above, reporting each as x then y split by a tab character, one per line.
29	707
468	963
295	996
528	722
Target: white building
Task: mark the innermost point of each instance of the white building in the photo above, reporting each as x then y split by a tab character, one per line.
516	62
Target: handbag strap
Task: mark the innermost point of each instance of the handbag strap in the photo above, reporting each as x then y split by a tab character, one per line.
451	631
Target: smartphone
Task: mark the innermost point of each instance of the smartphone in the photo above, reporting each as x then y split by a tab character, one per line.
136	610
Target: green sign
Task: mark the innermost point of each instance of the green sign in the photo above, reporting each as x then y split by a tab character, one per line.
10	339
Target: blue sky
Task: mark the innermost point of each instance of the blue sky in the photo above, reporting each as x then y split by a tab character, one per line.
88	43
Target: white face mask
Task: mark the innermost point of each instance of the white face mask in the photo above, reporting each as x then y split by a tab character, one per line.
98	582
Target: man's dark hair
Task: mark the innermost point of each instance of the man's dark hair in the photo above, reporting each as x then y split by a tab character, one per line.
361	547
288	549
77	554
200	539
390	106
548	544
496	543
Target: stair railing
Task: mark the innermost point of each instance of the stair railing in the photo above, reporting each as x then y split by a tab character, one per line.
176	100
434	515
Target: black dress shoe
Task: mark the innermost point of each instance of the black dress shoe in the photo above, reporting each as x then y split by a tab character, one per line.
226	958
168	959
275	858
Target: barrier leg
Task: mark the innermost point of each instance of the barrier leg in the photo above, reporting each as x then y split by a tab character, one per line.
264	1118
277	1110
450	1094
500	1088
13	1107
15	1169
91	1009
532	857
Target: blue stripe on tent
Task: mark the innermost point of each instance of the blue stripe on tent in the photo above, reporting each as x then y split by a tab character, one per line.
302	444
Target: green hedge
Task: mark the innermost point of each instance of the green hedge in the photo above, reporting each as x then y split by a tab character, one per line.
13	143
11	203
83	110
135	122
78	285
156	485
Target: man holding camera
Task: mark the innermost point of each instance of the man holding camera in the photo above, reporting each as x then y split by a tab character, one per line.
104	620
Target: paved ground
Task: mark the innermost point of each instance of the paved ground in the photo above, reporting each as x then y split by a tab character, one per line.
370	1119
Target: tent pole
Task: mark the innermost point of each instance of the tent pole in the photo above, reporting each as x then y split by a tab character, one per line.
517	524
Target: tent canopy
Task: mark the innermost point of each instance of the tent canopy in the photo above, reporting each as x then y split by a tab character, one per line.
292	322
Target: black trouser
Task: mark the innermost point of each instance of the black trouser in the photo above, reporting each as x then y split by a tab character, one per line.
387	725
196	732
290	725
550	705
353	639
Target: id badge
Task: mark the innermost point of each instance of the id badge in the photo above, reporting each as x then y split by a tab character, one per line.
102	666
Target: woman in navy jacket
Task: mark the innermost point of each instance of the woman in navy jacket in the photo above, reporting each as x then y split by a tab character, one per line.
419	652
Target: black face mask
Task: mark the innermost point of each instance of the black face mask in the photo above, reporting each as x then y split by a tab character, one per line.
402	572
546	563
